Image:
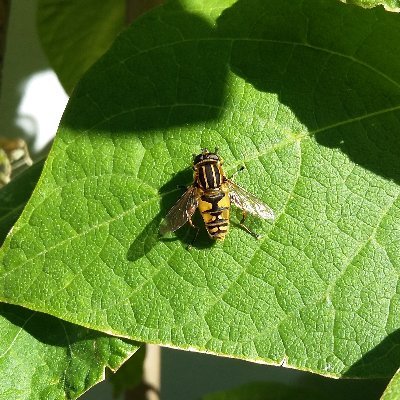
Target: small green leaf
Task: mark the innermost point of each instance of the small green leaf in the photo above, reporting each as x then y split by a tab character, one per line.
268	391
130	374
15	195
390	5
307	388
74	34
42	357
306	95
392	392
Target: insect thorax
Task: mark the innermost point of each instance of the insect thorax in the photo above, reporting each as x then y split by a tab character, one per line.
209	175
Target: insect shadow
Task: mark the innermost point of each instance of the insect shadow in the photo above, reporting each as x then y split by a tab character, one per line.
187	235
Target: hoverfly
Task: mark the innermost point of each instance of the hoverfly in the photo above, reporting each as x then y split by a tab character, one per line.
212	193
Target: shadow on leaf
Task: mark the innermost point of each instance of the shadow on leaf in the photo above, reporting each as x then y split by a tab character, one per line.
58	332
150	236
175	81
345	100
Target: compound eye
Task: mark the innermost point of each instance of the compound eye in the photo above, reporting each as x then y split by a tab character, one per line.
197	159
213	157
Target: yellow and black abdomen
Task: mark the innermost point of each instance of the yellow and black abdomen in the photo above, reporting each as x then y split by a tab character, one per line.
214	206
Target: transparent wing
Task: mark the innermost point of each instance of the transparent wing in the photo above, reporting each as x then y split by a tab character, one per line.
248	202
181	212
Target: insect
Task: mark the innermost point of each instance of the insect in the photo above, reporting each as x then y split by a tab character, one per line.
213	193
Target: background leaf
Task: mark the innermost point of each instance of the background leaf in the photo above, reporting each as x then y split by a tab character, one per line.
74	34
392	392
130	375
319	389
42	357
390	5
303	94
15	195
267	391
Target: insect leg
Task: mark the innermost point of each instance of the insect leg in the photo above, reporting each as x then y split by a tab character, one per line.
244	215
191	222
189	246
241	223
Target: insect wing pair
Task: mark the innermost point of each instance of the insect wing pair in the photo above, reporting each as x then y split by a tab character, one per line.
185	207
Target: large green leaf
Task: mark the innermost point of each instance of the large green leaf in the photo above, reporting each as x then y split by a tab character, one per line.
306	95
75	34
42	357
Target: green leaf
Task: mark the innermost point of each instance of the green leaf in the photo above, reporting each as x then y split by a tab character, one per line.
130	374
390	5
306	95
74	34
268	391
42	357
324	390
14	196
61	361
262	391
392	392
